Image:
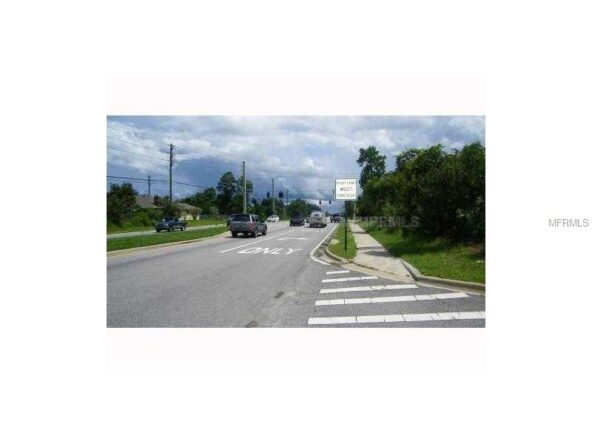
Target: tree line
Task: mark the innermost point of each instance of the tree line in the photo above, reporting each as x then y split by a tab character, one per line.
224	199
442	191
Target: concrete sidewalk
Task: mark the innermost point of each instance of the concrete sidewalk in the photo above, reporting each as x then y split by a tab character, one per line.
371	254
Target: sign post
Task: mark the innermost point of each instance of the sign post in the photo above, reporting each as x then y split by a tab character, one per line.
346	190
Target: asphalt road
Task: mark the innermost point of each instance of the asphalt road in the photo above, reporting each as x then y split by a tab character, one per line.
270	281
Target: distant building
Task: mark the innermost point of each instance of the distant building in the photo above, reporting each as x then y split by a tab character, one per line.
146	202
188	212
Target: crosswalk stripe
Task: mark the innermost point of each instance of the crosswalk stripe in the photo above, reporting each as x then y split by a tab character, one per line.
407	317
382	299
369	288
338	272
357	278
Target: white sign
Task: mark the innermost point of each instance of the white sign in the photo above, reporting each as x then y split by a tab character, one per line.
346	189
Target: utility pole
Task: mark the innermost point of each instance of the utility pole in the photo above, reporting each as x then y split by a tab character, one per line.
149	183
244	189
272	196
171	173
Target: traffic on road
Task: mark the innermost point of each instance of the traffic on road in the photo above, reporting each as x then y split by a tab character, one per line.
271	280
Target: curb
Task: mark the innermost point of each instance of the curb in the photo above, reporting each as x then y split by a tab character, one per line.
125	251
476	286
337	258
322	243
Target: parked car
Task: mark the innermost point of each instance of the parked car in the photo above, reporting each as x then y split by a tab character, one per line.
297	221
273	218
336	217
247	224
317	219
170	224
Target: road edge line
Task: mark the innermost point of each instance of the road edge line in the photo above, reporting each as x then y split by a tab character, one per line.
313	251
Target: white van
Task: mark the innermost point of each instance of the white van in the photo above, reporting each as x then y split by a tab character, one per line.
317	219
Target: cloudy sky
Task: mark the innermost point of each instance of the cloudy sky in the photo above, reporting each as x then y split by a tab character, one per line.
304	153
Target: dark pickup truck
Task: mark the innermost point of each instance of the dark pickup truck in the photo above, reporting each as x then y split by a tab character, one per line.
170	224
248	224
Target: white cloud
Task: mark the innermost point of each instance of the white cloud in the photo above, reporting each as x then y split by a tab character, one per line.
307	152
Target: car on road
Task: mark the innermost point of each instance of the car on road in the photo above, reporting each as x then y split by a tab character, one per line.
247	224
336	217
317	219
229	219
296	221
273	218
170	224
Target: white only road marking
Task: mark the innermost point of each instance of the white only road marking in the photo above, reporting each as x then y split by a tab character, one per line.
256	250
369	288
411	317
337	272
358	278
293	238
257	241
383	299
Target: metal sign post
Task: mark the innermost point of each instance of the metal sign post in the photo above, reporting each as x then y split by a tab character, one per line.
346	190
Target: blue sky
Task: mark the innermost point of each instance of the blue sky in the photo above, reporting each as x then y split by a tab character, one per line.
303	153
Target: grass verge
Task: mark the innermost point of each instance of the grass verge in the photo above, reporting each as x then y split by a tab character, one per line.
128	228
122	243
437	257
337	248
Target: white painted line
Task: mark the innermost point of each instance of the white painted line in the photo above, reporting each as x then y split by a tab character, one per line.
407	317
372	288
311	254
366	319
337	272
256	242
383	299
358	278
393	318
347	301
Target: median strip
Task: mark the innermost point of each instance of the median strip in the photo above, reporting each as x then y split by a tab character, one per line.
148	240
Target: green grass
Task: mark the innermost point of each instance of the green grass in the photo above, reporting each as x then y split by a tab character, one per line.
437	257
128	228
338	248
161	238
202	222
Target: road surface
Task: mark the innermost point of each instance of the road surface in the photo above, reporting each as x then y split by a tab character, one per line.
270	281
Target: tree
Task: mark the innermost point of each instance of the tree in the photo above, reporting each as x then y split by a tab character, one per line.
204	200
300	207
239	188
168	208
406	156
226	191
443	191
372	163
121	202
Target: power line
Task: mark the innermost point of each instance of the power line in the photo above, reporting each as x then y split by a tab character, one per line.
143	137
139	154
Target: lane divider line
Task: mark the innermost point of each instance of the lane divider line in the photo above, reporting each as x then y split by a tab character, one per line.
369	288
337	272
384	299
410	317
